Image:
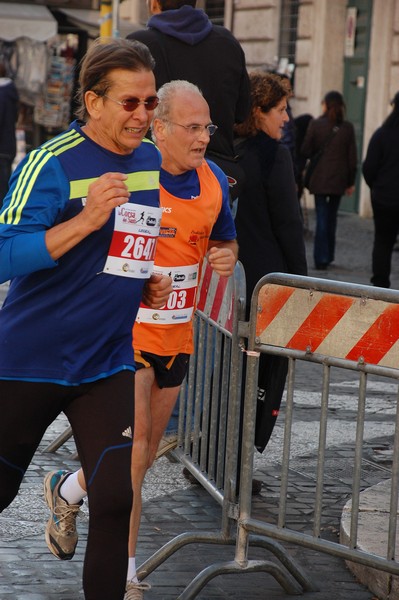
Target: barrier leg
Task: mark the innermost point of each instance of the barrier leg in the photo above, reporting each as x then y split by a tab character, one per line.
59	441
289	581
175	544
289	563
232	567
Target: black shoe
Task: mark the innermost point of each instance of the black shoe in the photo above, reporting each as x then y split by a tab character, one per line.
256	486
189	476
321	266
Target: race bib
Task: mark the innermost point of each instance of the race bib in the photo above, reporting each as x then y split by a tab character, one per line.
180	305
132	249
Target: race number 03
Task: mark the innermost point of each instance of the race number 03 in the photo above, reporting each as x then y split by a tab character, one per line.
177	299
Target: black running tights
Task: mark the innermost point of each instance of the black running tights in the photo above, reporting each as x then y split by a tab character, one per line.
102	418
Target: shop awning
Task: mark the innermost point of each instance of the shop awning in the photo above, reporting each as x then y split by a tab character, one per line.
90	21
26	20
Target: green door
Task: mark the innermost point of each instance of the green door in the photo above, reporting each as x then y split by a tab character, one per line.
355	83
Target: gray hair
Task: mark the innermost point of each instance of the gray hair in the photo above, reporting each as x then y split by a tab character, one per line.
167	93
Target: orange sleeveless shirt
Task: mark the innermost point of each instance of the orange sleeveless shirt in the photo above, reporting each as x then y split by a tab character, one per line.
186	225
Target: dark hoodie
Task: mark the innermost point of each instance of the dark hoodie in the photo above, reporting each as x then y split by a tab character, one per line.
186	45
188	24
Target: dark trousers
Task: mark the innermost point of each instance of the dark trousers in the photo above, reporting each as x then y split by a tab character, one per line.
271	383
102	416
326	225
386	228
5	174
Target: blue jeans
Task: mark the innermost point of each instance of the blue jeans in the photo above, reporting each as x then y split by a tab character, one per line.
326	225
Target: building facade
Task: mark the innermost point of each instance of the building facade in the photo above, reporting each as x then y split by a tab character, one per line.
348	45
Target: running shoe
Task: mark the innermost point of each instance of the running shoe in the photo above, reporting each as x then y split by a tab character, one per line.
61	534
135	590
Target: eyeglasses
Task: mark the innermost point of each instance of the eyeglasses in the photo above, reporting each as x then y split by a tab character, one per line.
196	130
130	104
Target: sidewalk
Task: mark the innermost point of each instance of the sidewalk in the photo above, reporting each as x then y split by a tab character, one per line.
29	572
193	510
172	506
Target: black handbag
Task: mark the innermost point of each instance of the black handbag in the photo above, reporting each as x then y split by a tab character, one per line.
234	172
313	160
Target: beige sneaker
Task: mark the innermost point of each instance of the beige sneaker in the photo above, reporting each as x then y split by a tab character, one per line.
167	443
61	535
134	591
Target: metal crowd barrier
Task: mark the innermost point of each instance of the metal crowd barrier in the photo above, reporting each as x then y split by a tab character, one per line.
209	432
333	324
60	440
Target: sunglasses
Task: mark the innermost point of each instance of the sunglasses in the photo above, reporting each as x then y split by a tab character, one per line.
130	104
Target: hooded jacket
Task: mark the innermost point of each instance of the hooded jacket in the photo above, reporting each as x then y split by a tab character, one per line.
186	45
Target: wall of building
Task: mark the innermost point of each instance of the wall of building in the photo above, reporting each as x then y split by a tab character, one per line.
256	25
319	53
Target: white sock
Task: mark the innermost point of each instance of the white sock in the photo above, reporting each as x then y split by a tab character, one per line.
131	570
71	491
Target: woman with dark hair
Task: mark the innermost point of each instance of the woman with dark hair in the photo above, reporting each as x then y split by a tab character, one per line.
381	173
334	174
268	222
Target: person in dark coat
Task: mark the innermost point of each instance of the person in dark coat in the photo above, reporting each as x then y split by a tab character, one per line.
381	173
334	174
8	119
268	222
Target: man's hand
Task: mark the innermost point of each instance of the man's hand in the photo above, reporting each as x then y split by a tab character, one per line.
104	194
156	290
222	260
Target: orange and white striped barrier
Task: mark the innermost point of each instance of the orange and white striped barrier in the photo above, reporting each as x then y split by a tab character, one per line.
216	297
359	329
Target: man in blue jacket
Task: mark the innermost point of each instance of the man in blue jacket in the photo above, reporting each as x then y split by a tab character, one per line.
79	260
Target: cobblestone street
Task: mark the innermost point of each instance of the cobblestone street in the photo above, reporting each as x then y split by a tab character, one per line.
172	506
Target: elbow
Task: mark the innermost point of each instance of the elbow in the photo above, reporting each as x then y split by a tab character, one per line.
24	254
